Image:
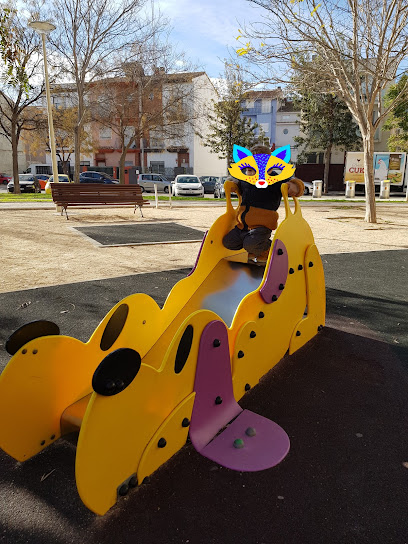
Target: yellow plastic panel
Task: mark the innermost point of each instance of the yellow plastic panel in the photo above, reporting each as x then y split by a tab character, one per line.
175	435
40	381
142	327
316	301
116	429
71	419
178	305
274	330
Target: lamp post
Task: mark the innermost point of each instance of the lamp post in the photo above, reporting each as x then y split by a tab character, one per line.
44	28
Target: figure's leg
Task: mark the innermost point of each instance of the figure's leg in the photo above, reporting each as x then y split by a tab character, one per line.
257	241
233	240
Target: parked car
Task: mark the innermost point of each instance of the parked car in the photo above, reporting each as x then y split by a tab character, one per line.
308	188
28	184
185	185
219	191
62	178
96	177
4	179
148	181
42	178
209	183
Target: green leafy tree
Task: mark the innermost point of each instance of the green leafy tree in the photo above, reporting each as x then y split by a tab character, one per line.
353	49
397	121
325	122
227	125
16	96
11	52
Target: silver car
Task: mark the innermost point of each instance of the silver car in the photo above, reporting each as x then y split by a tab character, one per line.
28	184
148	181
185	185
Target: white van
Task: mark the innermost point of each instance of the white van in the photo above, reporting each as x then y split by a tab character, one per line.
36	169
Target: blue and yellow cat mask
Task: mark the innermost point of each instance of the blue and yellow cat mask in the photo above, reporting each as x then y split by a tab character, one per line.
267	169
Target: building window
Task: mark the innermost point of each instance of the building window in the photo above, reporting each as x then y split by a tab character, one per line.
157	167
58	101
264	127
285	131
266	106
105	133
250	104
314	158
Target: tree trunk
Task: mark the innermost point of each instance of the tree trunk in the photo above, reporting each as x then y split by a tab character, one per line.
368	146
77	138
122	168
122	159
14	151
77	147
327	157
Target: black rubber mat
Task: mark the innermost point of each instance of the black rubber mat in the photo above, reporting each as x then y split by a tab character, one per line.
152	233
342	399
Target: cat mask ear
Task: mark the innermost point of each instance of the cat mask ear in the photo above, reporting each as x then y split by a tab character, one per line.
240	153
282	153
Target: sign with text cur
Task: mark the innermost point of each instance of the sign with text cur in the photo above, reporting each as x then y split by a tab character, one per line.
387	165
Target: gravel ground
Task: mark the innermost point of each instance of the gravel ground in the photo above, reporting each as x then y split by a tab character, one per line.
41	248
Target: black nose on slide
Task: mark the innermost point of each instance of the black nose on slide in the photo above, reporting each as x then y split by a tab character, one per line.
116	372
28	332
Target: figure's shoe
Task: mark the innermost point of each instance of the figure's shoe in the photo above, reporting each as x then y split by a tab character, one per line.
260	259
263	257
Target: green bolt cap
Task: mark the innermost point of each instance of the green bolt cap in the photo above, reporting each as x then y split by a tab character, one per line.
238	443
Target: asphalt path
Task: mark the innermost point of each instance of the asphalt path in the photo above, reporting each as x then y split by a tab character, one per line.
342	399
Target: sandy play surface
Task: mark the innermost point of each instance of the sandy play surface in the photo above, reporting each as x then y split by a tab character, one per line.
40	248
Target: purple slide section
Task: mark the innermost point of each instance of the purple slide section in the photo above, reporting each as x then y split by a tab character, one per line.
277	273
213	383
199	253
249	442
269	445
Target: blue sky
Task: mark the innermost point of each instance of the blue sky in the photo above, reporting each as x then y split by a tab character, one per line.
205	29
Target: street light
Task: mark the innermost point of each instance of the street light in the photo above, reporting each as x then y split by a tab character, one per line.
44	28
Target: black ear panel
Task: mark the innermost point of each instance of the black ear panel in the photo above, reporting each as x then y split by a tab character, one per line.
28	332
116	372
114	327
184	349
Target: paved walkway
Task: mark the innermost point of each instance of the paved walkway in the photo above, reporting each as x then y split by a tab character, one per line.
209	200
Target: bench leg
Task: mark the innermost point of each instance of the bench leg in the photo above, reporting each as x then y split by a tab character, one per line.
66	213
140	208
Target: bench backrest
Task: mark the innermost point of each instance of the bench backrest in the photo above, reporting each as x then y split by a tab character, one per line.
95	192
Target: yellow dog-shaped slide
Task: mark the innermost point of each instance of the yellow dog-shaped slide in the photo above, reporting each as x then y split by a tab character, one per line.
129	390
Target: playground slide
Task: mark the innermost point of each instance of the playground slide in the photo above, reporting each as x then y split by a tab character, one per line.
147	376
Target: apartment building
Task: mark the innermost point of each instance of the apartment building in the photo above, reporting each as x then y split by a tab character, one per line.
173	110
261	107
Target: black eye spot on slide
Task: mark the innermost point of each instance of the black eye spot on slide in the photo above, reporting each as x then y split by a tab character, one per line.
184	348
116	372
114	327
29	332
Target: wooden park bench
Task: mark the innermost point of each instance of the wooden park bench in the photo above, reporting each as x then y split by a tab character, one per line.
97	194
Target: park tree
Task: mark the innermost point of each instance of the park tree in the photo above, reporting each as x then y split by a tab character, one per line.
397	121
17	96
149	102
64	121
13	71
89	37
325	122
226	123
353	49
